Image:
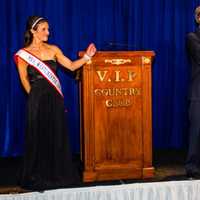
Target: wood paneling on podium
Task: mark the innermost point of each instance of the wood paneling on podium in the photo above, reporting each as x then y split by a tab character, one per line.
116	116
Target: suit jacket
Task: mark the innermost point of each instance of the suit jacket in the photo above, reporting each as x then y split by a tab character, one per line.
193	48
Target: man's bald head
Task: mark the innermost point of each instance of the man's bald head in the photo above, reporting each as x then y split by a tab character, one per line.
197	15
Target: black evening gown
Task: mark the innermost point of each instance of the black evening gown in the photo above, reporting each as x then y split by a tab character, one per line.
47	159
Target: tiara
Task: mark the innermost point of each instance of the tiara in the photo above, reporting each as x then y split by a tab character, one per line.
36	22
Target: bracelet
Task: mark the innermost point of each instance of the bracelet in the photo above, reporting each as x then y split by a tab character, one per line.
86	57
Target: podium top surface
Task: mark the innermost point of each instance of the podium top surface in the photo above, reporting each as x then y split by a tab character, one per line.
124	53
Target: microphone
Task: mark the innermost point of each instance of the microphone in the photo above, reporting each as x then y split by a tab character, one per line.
121	44
116	46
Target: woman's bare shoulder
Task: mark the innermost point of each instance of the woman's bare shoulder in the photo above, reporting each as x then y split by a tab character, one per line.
53	47
26	48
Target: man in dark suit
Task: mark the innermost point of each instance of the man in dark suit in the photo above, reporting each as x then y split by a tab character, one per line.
193	47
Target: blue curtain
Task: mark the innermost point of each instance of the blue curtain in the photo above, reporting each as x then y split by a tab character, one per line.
158	25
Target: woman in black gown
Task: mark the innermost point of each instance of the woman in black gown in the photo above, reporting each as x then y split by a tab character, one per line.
47	158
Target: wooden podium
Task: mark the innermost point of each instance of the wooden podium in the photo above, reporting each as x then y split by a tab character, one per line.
116	134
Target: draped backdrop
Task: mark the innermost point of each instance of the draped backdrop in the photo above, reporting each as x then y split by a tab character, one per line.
158	25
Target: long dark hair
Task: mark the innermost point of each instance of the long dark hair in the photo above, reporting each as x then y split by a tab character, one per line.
28	36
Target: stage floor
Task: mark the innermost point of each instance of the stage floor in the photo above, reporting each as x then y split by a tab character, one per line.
169	166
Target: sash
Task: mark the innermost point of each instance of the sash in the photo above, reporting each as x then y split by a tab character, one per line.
41	67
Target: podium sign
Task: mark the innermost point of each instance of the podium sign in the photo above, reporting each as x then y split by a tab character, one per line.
116	134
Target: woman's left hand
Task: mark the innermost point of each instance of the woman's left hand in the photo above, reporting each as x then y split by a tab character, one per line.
91	50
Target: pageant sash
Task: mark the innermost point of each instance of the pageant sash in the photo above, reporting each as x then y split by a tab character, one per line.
41	67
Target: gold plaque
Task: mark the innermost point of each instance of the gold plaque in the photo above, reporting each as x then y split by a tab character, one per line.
146	60
118	61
